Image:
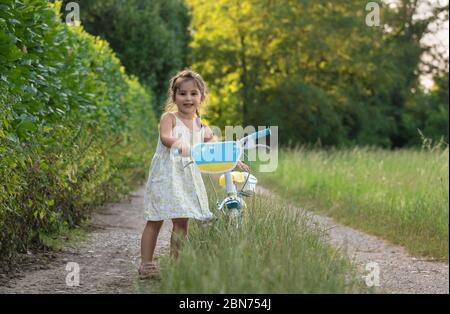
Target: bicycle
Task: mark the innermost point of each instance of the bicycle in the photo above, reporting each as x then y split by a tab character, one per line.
222	158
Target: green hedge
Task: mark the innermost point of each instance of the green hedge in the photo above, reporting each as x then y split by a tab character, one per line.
75	130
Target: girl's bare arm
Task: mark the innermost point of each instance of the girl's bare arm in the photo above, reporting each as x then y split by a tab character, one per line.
165	132
209	135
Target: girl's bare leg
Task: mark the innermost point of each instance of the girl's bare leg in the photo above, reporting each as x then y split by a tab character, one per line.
179	235
148	240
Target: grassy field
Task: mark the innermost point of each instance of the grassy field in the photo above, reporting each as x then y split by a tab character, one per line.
402	195
277	253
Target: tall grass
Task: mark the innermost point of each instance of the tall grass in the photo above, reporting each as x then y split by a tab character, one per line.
399	195
278	252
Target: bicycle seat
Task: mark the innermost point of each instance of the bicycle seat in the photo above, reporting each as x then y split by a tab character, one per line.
216	157
236	177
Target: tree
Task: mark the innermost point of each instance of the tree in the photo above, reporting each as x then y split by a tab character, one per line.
149	36
264	58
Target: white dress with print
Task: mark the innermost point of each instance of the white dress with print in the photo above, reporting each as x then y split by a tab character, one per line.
173	190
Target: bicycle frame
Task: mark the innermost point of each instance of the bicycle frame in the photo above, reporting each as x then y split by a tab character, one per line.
222	158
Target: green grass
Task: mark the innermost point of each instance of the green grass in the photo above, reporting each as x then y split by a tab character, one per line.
399	195
278	252
65	237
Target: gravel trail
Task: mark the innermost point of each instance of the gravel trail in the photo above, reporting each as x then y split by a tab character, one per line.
399	272
109	257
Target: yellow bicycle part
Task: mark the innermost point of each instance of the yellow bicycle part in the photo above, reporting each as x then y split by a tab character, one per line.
216	167
236	176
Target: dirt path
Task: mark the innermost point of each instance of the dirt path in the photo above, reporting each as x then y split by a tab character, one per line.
399	272
108	259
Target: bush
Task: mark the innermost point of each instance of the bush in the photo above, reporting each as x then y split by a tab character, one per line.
74	129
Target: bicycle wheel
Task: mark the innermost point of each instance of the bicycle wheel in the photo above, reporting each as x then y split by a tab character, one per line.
235	218
243	218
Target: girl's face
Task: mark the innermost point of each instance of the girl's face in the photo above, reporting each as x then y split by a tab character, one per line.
188	97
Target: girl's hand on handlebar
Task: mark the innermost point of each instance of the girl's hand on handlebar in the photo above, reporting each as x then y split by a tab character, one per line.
181	149
185	150
243	166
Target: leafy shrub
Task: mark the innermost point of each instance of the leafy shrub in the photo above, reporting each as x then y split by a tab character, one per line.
75	130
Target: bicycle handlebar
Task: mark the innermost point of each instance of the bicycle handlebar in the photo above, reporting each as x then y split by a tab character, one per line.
247	142
254	136
259	134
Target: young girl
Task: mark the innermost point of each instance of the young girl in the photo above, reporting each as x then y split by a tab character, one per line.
174	191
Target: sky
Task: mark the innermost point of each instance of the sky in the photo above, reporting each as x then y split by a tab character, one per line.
438	36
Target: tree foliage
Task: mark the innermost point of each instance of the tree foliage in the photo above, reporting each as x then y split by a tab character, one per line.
314	68
150	37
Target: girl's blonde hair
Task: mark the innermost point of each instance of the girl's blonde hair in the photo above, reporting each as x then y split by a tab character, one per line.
175	83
